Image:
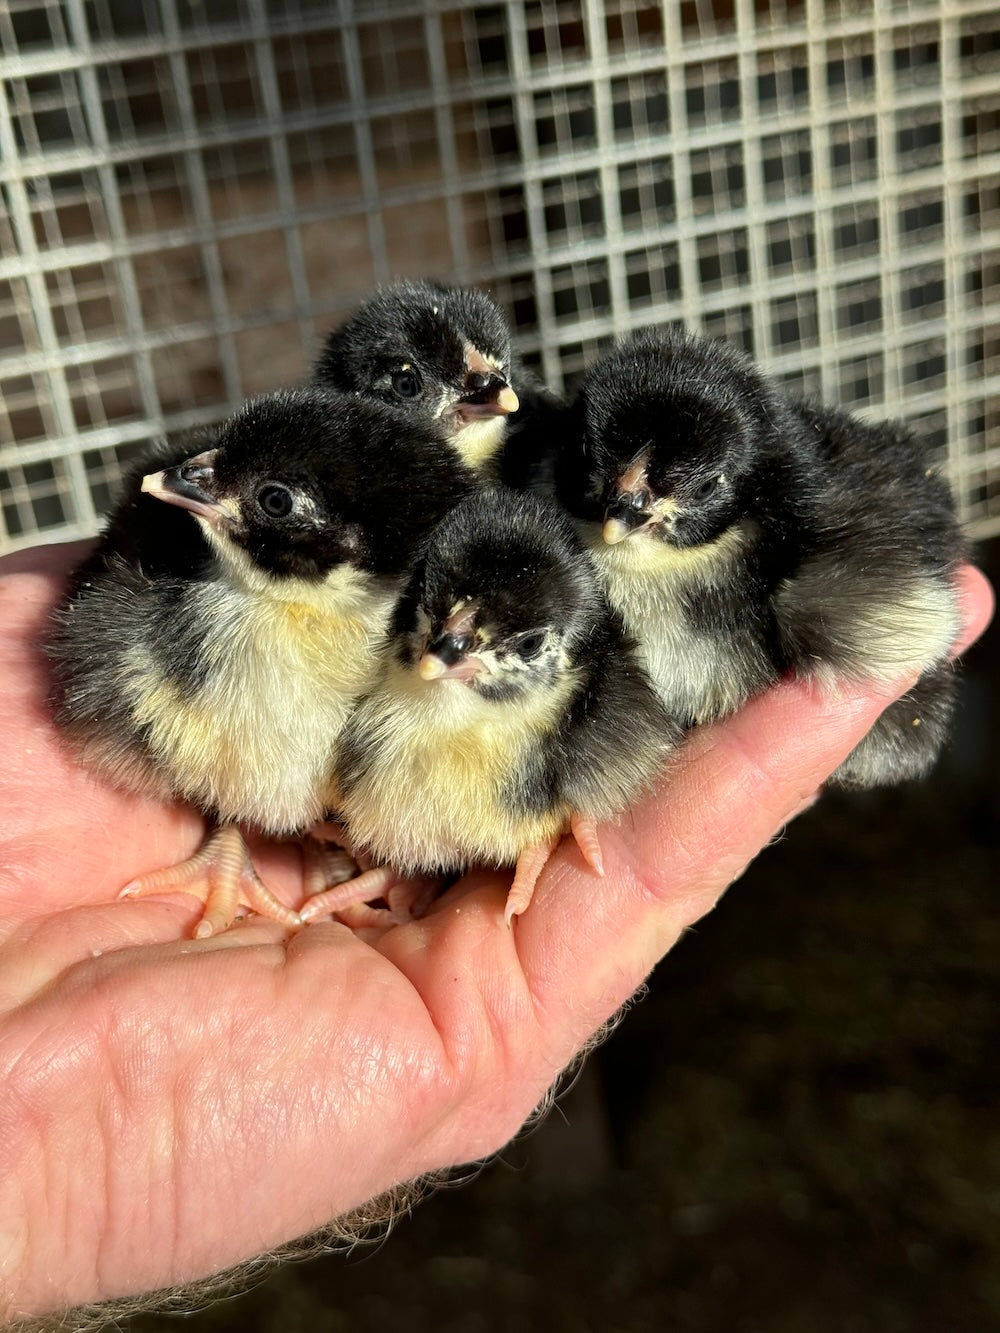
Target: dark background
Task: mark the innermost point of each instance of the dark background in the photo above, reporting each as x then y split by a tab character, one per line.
794	1131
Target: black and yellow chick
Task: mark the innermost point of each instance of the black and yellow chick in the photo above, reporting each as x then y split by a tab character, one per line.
741	534
509	708
442	355
213	645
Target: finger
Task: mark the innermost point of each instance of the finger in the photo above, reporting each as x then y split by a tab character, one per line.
977	603
30	582
40	952
586	943
70	839
55	559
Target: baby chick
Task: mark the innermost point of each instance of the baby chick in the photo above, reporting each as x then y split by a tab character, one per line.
212	646
443	356
741	534
509	707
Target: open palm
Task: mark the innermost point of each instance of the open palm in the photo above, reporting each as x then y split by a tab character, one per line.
172	1106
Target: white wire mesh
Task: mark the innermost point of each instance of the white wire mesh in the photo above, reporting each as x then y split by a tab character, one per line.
193	192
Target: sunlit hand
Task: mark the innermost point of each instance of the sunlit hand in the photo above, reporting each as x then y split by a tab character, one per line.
171	1106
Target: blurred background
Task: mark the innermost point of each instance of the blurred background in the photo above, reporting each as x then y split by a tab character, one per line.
793	1130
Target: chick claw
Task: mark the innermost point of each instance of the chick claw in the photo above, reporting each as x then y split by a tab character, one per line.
533	861
228	879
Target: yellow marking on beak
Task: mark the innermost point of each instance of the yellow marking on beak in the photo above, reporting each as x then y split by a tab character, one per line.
431	667
507	400
615	531
152	483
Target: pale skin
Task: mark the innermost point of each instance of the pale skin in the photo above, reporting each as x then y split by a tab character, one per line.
172	1106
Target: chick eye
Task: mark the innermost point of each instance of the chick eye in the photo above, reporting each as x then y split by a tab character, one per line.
275	501
406	384
706	488
529	645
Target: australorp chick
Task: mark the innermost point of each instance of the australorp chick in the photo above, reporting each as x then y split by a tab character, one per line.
212	646
741	534
440	354
509	708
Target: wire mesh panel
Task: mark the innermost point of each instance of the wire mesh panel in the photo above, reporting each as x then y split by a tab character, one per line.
192	194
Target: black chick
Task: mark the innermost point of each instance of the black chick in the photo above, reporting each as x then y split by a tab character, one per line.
509	706
212	646
443	356
741	534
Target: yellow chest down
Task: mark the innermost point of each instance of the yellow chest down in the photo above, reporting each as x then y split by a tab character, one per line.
255	741
439	788
647	581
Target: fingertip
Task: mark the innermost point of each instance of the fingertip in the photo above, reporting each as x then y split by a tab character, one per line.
977	603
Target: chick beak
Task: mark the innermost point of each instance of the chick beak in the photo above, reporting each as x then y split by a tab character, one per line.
485	393
626	515
191	485
449	654
449	657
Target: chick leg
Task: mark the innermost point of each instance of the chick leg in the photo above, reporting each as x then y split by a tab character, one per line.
325	866
532	862
407	899
222	875
326	869
530	865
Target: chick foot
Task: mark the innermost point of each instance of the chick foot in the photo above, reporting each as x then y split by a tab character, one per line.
351	901
324	867
406	899
223	877
533	861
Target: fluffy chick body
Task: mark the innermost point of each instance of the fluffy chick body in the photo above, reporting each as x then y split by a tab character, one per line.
444	781
210	649
661	592
535	713
741	534
225	692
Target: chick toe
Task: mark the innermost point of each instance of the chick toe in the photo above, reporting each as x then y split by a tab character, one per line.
344	900
407	900
585	835
222	875
530	865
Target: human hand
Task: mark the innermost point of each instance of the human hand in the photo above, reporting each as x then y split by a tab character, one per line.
172	1106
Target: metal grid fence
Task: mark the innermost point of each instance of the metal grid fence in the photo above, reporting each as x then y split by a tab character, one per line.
193	192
